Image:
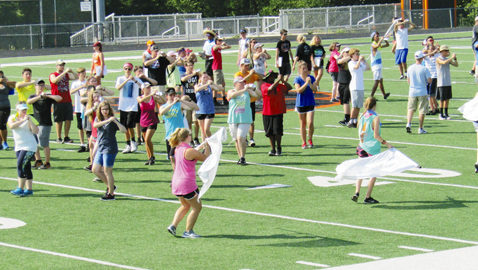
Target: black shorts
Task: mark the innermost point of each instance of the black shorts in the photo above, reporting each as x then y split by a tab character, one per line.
362	153
273	124
127	119
190	195
344	92
253	108
335	76
432	88
209	68
285	69
79	121
62	112
204	116
305	109
138	115
144	129
4	114
445	92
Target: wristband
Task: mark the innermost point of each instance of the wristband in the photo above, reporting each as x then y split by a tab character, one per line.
384	142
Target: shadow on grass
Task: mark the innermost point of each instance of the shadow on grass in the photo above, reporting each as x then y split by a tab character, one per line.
449	203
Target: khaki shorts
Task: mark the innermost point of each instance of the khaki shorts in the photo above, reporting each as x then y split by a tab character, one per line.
191	116
218	76
420	102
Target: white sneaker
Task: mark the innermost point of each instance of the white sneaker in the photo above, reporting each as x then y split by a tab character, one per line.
447	117
252	143
441	117
134	146
127	149
422	131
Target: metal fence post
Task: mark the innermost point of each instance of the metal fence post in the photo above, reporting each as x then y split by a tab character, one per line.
368	15
85	34
350	14
137	33
451	19
327	21
258	28
119	27
31	38
303	18
147	26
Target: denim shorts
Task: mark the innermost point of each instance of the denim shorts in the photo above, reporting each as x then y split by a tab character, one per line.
105	160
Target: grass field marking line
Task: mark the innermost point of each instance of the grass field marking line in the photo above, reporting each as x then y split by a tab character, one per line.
364	256
404	116
417	249
312	264
72	257
268	215
429	183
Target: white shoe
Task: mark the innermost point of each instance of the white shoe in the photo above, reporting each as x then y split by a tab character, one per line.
127	149
252	143
422	131
441	117
447	117
134	146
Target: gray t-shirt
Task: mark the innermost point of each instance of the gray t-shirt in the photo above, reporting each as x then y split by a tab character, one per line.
443	73
107	143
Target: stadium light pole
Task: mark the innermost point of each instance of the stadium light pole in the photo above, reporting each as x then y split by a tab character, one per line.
100	17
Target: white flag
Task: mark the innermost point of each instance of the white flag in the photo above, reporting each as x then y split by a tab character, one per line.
386	163
207	171
470	110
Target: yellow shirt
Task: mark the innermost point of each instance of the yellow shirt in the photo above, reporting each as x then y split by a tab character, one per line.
24	93
254	78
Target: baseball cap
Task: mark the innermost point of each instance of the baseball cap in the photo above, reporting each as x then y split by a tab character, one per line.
419	55
171	53
150	42
444	48
270	73
245	61
243	31
337	44
258	45
238	79
97	44
170	91
22	106
145	84
40	82
60	62
345	49
154	47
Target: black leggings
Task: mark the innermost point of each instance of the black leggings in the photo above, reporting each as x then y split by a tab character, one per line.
24	167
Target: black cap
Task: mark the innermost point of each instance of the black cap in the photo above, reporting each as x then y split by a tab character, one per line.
40	82
170	91
270	73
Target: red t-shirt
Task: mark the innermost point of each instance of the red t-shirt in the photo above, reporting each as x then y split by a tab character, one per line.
217	61
273	101
62	88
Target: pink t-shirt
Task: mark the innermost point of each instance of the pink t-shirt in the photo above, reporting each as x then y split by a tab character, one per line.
333	62
184	177
148	116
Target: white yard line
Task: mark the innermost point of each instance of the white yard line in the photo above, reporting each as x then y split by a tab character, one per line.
270	215
364	256
312	264
71	256
417	249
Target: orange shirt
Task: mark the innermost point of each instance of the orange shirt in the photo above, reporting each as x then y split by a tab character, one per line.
254	78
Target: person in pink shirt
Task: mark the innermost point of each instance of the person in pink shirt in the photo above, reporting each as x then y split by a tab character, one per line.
334	69
217	68
184	180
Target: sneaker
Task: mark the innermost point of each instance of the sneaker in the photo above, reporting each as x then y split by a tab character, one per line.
304	146
441	117
172	230
190	234
279	151
127	149
352	125
355	197
472	73
447	117
134	147
343	122
107	191
252	143
27	192
430	113
310	144
422	131
139	141
67	140
196	142
96	179
241	161
108	197
402	77
191	143
45	166
82	149
409	129
437	111
151	161
88	159
18	191
272	152
476	168
386	96
370	200
37	164
88	168
5	146
59	140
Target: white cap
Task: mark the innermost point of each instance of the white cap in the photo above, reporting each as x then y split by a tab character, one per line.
345	49
245	61
258	45
145	84
419	55
21	107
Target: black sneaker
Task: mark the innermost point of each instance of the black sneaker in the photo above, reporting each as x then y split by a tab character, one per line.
386	96
355	197
139	142
82	149
430	113
196	142
476	168
272	153
108	197
67	140
107	190
88	168
343	123
88	159
148	162
226	103
279	151
241	161
216	103
370	200
472	73
409	129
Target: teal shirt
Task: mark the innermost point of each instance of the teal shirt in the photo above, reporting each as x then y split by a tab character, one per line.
365	129
240	111
173	119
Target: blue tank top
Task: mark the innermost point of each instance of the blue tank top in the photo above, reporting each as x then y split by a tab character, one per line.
205	101
173	119
366	133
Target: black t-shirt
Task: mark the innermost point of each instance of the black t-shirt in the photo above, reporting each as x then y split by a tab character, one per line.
344	73
157	70
4	92
284	48
317	50
303	52
42	110
188	87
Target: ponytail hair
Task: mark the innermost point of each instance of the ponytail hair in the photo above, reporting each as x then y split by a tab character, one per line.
301	38
178	136
370	102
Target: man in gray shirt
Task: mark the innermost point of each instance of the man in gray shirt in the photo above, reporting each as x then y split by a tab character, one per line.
444	79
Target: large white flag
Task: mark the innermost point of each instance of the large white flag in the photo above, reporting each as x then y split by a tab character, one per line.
207	171
386	163
470	110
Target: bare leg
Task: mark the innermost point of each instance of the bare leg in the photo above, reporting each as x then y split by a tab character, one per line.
410	116
251	131
46	150
181	212
3	135
58	127
81	133
421	119
110	180
374	88
148	137
310	124
67	128
303	125
371	184
358	185
99	172
193	216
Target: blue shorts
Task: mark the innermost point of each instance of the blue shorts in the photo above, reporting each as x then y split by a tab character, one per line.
105	160
401	56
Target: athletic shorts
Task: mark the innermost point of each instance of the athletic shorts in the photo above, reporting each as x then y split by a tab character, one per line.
253	108
432	88
62	112
4	114
239	130
79	121
362	153
205	116
305	109
377	74
401	56
190	195
285	69
128	119
191	116
335	76
273	124
445	92
356	97
138	116
105	160
420	102
218	76
208	66
144	129
344	92
44	136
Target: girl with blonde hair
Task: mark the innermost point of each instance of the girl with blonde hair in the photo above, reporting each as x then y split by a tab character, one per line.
303	52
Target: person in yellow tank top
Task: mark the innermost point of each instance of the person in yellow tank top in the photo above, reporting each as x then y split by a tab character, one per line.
26	88
98	68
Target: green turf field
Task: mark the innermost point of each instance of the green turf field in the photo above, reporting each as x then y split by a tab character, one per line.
243	228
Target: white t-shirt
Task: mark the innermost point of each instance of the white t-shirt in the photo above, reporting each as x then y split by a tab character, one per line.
402	38
431	64
243	44
78	106
357	76
128	101
418	76
208	44
23	137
